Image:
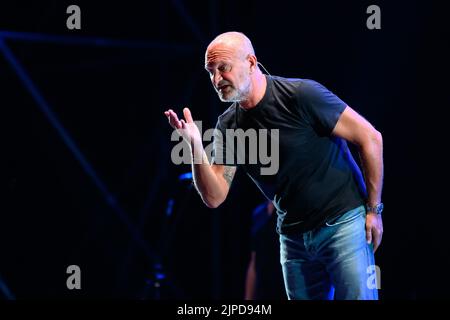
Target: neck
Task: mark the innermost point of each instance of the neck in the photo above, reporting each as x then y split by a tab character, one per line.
259	85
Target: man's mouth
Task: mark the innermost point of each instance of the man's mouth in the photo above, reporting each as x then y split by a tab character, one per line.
223	87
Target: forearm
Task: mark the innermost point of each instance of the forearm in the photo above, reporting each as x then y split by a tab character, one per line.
211	189
371	154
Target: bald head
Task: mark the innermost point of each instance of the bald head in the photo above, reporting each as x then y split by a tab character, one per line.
232	66
235	41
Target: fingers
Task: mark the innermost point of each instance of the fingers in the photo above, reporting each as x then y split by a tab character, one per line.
374	231
373	236
173	119
376	240
187	115
369	234
175	122
375	247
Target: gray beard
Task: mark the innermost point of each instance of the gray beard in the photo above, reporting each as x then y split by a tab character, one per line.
238	96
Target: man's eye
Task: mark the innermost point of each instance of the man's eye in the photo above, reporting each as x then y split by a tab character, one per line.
224	68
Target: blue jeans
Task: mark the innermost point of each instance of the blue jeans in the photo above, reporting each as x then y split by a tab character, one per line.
329	262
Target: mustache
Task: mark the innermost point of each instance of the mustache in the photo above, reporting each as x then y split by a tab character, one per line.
223	83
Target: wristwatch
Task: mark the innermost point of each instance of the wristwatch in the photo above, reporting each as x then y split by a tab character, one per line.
375	209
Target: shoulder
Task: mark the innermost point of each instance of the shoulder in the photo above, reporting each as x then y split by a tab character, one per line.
308	86
295	86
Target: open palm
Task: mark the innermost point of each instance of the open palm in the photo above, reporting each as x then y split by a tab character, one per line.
185	127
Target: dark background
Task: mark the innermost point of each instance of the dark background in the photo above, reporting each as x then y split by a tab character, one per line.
109	214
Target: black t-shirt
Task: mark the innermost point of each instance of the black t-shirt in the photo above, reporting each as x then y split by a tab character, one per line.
317	177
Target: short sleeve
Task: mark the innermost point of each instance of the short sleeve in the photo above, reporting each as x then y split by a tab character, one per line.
320	106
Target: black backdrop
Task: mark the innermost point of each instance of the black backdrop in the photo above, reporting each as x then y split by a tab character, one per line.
109	99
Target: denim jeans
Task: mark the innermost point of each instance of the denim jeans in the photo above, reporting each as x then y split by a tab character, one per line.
329	262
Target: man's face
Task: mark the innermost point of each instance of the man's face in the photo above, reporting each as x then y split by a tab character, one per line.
228	72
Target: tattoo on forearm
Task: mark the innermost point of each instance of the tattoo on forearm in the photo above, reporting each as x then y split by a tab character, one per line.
228	174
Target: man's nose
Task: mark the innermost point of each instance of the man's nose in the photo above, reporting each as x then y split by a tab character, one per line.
217	77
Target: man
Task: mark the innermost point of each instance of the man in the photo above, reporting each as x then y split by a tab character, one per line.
328	220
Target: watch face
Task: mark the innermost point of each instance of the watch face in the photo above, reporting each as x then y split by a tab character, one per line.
379	208
376	209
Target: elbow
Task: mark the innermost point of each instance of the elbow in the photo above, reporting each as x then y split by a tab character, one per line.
371	142
377	137
213	203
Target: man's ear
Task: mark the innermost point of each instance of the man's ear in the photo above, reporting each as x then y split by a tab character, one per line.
253	62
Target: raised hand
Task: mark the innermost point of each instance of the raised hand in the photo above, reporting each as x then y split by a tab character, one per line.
185	127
